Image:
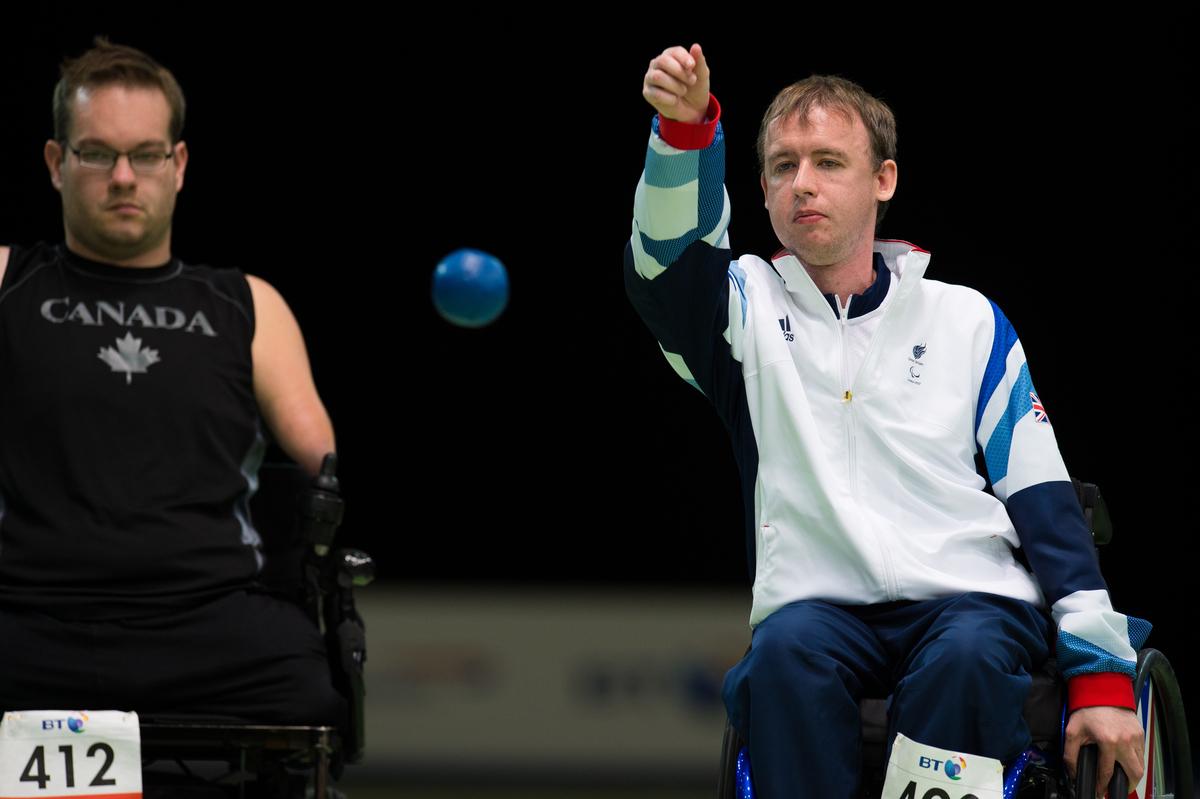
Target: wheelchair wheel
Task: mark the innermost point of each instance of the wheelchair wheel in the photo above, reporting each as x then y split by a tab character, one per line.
734	782
1167	755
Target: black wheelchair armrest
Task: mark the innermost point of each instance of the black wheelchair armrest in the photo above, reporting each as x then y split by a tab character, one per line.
1095	511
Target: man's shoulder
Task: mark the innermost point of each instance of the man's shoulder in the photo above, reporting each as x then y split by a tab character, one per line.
953	290
960	311
206	272
748	261
968	300
40	249
17	259
898	254
755	267
755	277
205	268
227	285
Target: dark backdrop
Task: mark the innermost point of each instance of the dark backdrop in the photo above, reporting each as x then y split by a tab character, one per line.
1050	166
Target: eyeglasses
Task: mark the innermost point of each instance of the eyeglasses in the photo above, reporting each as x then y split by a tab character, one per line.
143	162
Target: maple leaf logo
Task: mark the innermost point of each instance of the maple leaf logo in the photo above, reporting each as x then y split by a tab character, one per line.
128	357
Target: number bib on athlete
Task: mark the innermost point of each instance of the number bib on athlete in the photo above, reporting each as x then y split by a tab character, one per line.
69	753
917	771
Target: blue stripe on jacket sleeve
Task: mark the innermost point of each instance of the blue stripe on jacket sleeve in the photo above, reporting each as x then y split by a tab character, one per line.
712	184
667	251
674	171
1139	631
671	171
999	445
1003	340
1076	656
738	276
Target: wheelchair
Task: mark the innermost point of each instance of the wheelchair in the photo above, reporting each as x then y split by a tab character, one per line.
195	756
266	760
1038	773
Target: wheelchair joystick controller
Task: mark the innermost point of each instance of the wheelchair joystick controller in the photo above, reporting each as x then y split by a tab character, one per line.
330	578
322	508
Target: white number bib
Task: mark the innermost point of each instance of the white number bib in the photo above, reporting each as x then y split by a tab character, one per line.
917	771
70	753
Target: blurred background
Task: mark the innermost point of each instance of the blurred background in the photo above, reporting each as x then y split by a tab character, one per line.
555	516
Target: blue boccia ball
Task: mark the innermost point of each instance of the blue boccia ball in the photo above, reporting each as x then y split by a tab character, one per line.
470	288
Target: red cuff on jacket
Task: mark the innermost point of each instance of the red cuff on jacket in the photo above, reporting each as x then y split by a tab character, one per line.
1108	688
688	136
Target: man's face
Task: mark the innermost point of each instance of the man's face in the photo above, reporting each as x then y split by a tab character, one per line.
118	214
821	186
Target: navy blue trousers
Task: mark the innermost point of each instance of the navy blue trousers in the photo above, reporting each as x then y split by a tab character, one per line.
958	671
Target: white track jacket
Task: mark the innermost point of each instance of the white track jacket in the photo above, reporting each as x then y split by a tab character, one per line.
856	433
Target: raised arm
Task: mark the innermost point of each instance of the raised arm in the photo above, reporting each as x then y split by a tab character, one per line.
678	271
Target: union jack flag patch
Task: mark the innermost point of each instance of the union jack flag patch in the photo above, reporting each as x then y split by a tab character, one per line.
1039	410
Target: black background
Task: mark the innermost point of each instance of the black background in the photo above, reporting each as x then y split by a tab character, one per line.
340	157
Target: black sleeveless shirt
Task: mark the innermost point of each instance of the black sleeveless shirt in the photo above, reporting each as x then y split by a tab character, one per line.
129	435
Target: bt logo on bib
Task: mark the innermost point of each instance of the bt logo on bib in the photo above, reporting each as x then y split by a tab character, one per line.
920	771
73	723
952	768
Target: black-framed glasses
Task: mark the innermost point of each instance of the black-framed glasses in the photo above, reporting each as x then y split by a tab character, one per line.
143	162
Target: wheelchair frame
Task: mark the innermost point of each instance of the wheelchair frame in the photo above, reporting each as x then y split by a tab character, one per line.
277	754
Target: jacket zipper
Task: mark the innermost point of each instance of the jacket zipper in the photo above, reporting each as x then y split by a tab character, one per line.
847	399
889	577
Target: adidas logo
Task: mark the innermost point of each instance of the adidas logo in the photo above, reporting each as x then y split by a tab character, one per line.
785	324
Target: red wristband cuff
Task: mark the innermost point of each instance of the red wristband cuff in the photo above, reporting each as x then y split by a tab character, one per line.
689	136
1091	690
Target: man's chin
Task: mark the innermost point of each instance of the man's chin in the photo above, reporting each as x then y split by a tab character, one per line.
120	245
123	246
817	259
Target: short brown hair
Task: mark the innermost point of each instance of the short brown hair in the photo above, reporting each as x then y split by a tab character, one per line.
107	64
835	94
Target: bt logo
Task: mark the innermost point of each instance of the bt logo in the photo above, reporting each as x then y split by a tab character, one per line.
72	723
952	768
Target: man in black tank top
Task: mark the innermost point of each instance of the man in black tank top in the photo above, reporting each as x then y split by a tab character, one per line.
131	390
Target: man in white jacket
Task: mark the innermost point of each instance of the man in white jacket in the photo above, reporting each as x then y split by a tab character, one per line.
857	393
